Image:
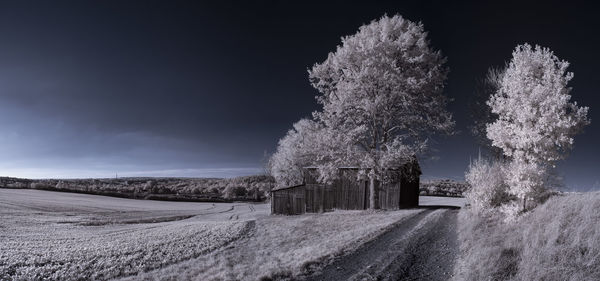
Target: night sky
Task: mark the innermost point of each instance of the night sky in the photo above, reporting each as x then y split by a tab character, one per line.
166	88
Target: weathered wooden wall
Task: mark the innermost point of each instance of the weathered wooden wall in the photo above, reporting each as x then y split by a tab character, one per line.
389	196
289	201
351	193
400	190
319	198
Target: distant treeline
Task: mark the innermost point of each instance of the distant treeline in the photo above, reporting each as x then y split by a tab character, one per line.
246	188
444	187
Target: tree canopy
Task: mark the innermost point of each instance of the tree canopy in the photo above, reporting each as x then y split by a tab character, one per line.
381	92
536	121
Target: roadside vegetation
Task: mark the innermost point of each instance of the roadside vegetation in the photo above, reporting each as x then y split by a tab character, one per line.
517	226
558	240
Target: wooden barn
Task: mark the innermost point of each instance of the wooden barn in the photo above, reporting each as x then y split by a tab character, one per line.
400	189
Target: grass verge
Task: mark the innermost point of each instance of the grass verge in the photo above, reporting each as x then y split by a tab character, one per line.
559	240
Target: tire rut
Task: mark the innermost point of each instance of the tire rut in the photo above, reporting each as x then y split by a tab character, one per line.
420	247
428	256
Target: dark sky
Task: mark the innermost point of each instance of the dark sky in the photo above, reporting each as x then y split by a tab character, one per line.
167	88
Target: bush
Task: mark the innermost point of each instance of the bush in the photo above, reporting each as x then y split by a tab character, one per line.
487	185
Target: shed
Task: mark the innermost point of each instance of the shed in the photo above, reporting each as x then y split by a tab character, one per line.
399	189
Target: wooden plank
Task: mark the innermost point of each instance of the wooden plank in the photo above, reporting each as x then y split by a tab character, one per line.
290	201
347	192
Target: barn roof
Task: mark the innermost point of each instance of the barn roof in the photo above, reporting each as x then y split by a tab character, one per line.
414	163
286	187
343	167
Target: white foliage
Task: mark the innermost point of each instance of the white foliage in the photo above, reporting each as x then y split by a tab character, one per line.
295	151
487	185
524	179
536	120
381	92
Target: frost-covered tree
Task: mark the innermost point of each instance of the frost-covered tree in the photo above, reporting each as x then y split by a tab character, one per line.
295	151
536	121
381	92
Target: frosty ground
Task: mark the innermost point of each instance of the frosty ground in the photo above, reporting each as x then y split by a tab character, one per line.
76	236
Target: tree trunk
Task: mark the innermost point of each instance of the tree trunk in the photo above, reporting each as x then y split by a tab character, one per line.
373	194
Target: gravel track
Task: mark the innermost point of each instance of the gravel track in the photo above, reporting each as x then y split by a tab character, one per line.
422	247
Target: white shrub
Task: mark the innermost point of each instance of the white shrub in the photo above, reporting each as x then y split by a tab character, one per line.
487	185
510	211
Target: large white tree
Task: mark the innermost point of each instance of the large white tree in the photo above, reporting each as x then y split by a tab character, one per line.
381	93
536	121
308	143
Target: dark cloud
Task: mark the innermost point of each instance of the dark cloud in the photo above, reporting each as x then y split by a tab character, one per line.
194	89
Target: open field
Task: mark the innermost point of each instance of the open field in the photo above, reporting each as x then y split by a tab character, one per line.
430	201
77	236
70	236
442	187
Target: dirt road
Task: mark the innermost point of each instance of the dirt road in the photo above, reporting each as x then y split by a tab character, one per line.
422	247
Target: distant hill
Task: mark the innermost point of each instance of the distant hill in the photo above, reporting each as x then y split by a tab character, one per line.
245	188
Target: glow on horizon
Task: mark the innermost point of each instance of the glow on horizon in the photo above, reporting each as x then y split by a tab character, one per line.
80	174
